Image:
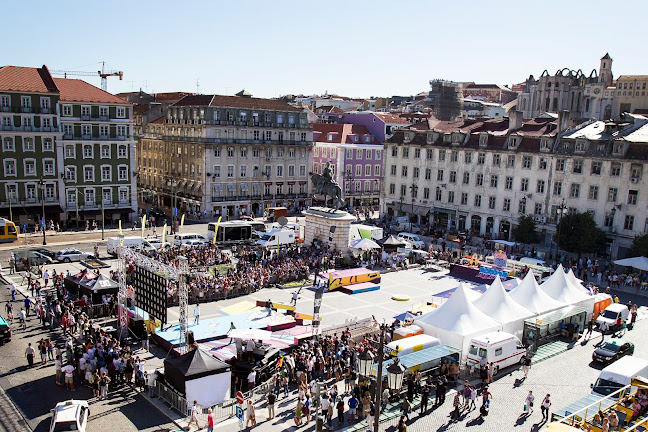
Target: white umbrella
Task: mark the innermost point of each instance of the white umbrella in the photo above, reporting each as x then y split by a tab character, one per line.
640	263
364	244
257	334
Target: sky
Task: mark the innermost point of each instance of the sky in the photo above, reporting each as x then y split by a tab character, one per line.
354	48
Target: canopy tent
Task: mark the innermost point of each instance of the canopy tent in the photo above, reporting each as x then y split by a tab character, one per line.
529	295
404	316
364	244
560	288
507	284
497	304
90	284
472	293
571	277
391	243
199	377
457	320
640	263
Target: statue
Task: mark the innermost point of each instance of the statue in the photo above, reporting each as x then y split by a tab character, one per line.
325	185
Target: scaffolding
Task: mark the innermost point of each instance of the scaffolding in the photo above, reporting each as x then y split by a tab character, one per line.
446	99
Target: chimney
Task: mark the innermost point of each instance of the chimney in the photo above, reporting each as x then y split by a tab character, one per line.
563	121
515	120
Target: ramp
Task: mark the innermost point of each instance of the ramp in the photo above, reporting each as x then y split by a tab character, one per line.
277	306
360	288
354	276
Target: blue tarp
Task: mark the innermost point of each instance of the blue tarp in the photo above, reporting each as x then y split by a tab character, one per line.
420	357
404	316
580	404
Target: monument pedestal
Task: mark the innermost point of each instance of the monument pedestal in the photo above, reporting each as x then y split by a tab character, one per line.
319	221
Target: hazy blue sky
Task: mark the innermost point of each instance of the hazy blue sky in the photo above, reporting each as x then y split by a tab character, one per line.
354	48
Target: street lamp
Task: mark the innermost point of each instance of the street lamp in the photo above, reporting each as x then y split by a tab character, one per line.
365	362
395	374
41	185
560	211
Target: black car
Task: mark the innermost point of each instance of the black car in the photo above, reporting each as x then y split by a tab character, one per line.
612	351
5	331
45	252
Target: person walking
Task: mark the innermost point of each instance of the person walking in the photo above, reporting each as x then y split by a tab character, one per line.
406	408
590	327
526	365
196	314
456	403
194	416
528	405
29	353
544	407
603	328
210	420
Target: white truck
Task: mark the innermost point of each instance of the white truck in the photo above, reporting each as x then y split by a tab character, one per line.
133	242
611	314
619	374
276	238
358	231
501	348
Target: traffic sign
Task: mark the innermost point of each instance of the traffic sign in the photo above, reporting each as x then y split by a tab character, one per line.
239	413
239	397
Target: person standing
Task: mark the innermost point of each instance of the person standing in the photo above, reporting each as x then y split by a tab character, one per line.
528	405
526	365
544	407
46	277
271	398
603	328
210	420
456	403
406	408
590	327
425	395
29	353
196	314
251	416
68	370
12	288
194	416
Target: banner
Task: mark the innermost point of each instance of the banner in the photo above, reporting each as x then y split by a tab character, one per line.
120	230
164	234
143	225
182	223
216	230
316	307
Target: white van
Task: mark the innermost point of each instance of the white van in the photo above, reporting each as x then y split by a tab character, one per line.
619	374
130	242
411	344
413	239
277	237
181	239
610	315
534	261
289	226
501	348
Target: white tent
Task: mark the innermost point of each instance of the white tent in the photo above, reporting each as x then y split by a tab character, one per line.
529	295
640	263
457	320
497	304
571	277
559	288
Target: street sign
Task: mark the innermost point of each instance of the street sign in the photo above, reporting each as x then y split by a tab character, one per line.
175	211
239	413
239	397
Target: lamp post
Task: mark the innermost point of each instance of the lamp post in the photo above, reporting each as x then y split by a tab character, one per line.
41	185
102	218
560	211
10	199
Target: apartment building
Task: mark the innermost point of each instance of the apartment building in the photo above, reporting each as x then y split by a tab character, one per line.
227	155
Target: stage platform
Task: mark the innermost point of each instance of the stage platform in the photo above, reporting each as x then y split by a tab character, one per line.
340	278
360	288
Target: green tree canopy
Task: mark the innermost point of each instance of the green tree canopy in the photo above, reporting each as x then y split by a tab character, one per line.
639	246
579	234
525	231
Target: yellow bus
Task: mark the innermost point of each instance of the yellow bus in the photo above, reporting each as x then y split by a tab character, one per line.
8	232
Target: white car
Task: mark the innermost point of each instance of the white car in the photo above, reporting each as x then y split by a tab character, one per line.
189	244
71	415
157	243
415	240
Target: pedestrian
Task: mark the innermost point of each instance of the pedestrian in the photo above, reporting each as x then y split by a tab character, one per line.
196	314
370	418
58	365
29	353
353	406
473	398
325	403
526	364
603	328
271	398
456	403
210	420
425	395
152	377
340	409
12	288
68	370
103	386
590	327
295	297
194	416
544	407
46	277
406	408
528	405
402	426
251	416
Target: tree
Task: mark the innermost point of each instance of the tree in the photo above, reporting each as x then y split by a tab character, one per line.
525	231
579	234
639	246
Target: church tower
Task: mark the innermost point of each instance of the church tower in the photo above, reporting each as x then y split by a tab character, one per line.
605	70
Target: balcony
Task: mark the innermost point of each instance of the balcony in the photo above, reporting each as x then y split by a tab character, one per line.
86	137
67	136
85	117
104	137
121	138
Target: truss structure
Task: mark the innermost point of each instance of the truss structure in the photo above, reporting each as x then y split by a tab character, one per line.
169	272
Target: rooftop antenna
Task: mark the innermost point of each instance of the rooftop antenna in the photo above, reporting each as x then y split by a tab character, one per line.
197	85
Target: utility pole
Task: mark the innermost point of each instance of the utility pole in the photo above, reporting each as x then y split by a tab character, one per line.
42	188
381	354
102	218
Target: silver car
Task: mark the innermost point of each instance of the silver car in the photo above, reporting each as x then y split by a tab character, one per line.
69	255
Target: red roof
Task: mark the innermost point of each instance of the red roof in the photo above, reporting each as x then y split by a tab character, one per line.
26	79
391	118
75	90
342	133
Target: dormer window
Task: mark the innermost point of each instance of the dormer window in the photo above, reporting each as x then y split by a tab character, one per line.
446	138
617	148
456	138
580	146
514	142
483	140
406	136
428	138
544	144
329	137
368	138
356	138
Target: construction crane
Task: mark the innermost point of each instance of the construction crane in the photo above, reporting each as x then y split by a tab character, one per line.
103	73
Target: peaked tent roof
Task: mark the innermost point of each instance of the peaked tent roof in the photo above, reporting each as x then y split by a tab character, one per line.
99	283
529	295
559	288
458	315
196	364
571	277
497	304
391	241
640	263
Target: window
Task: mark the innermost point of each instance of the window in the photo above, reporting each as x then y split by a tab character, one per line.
268	136
89	196
442	155
30	167
524	185
526	162
540	186
453	177
506	206
243	170
580	146
121	151
230	171
415	172
466	178
105	151
48	166
560	165
105	173
392	170
578	166
438	196
217	171
28	144
243	152
522	206
557	188
481	158
291	170
417	153
87	151
405	153
122	173
496	160
612	194
468	158
493	180
628	223
377	154
394	152
358	170
454	156
67	110
615	171
88	173
377	170
121	112
429	154
392	189
368	171
280	170
492	202
440	175
8	144
574	191
403	170
48	144
5	102
426	193
230	152
451	197
508	183
593	192
510	161
403	190
103	112
70	173
632	197
302	170
596	168
537	209
10	167
464	198
30	190
480	180
542	163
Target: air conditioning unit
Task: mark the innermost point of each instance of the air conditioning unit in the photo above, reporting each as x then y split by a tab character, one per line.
634	180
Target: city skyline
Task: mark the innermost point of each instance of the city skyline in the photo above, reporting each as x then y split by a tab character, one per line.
352	49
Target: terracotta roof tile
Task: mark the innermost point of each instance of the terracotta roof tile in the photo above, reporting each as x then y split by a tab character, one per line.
75	90
235	102
342	133
391	118
26	79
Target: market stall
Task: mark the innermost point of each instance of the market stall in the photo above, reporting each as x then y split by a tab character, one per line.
566	322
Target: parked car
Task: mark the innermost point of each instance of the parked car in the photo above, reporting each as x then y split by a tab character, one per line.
45	252
157	243
415	240
69	255
612	351
181	239
33	259
71	415
193	243
5	331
